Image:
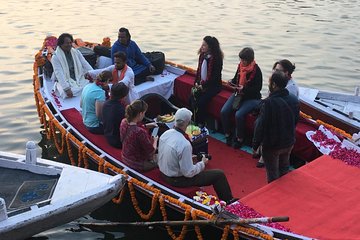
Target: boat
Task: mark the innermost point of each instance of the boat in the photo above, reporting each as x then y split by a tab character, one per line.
62	122
38	194
338	109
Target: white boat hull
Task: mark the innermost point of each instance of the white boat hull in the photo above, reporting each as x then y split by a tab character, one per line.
78	192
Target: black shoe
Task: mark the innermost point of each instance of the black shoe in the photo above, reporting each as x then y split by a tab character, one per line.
229	141
232	201
237	144
260	165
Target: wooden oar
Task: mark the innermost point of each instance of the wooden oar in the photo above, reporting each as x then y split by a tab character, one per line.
191	222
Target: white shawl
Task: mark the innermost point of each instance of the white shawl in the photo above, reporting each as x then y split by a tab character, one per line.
62	73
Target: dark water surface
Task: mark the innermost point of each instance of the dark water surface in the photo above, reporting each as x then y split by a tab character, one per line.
320	36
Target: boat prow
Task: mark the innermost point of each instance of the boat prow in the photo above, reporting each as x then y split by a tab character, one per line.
340	110
38	194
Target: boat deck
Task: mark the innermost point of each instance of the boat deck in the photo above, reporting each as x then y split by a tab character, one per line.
22	189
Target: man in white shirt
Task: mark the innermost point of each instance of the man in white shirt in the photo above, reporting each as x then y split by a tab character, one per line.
121	73
175	161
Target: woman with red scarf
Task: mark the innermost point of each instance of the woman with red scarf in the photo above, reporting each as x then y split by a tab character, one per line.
247	82
208	78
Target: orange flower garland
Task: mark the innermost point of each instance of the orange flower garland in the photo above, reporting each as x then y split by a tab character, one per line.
59	146
106	42
226	232
136	204
168	228
40	59
338	130
304	115
197	228
254	232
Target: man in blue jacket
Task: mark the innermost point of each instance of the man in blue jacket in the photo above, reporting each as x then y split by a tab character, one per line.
141	66
275	127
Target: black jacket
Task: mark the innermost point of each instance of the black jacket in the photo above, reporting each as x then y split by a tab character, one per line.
275	126
252	89
214	80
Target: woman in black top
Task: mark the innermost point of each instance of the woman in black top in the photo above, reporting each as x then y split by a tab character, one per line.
247	82
208	78
113	113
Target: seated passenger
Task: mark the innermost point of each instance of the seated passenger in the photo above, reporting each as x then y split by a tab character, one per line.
247	83
176	164
113	112
70	68
208	78
138	147
121	72
288	68
92	100
141	66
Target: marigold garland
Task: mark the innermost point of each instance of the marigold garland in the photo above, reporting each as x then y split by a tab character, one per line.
337	130
106	42
120	198
197	228
136	204
59	146
304	115
254	232
226	232
168	228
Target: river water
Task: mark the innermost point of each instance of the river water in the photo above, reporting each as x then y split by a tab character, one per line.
320	36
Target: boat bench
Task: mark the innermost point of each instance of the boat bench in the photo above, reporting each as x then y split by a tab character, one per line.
182	91
303	148
73	116
155	175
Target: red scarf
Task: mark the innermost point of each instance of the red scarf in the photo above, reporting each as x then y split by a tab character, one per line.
210	63
243	71
115	76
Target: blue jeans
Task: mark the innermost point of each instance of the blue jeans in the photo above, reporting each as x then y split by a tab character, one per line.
246	107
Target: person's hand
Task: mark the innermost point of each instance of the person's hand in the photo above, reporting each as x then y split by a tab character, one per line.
88	77
151	125
239	88
205	159
152	68
155	139
69	93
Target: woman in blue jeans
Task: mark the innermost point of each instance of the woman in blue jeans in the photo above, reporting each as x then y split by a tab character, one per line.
248	83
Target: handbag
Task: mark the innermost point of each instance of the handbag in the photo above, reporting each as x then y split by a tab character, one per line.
237	101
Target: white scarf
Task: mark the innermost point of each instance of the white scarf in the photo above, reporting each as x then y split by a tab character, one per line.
77	84
204	70
79	74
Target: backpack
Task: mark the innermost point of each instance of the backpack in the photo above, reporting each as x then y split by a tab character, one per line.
157	59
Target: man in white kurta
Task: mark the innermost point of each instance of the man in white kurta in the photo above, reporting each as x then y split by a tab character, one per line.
121	73
70	68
